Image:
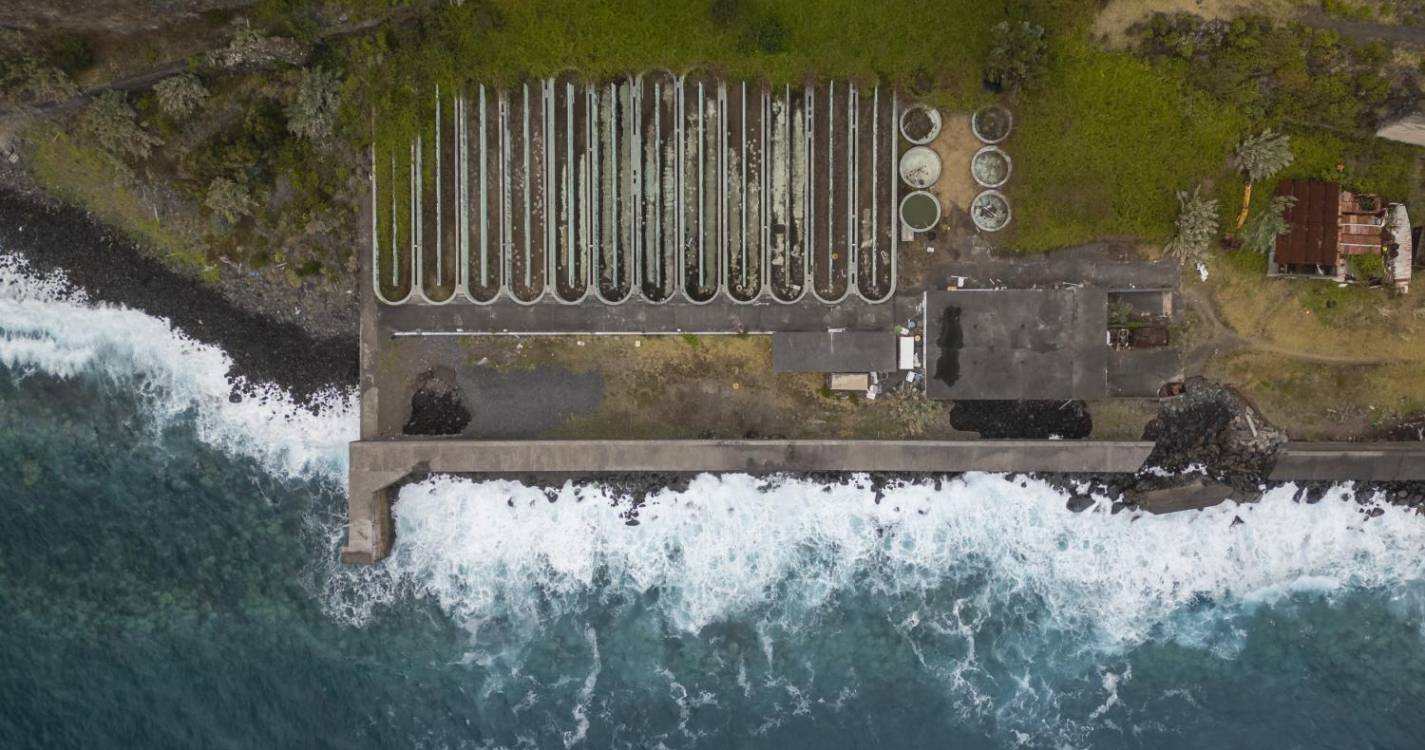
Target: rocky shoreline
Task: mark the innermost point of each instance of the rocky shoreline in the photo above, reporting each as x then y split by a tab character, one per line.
111	269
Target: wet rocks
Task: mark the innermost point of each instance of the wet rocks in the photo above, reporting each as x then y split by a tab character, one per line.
1213	427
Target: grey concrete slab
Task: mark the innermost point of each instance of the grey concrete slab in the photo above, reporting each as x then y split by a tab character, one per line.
1379	462
829	351
1141	373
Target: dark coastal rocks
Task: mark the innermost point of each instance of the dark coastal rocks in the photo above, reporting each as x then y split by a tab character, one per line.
111	269
1022	420
437	407
1212	426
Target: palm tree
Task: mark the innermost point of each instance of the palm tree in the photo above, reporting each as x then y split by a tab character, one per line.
1261	232
1260	156
1196	224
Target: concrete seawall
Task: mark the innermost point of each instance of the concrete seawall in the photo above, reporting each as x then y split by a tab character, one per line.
378	467
1336	462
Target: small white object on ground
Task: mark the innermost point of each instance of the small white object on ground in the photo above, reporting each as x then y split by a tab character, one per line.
1202	270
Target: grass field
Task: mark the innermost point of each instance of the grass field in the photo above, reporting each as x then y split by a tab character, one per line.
942	43
1104	145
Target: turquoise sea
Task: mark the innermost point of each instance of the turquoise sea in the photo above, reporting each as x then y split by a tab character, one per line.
168	578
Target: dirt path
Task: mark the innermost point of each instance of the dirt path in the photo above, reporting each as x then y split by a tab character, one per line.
1226	340
1366	31
146	78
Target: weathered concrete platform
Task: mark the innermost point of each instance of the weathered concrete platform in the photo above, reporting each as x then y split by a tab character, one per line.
378	467
1366	462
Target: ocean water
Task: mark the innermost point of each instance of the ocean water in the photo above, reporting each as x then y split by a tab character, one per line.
168	578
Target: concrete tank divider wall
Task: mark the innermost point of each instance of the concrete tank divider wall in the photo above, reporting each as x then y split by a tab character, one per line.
685	188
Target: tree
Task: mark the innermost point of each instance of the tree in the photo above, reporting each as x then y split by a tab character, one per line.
111	122
312	115
1017	55
228	199
1196	225
181	94
1260	156
1260	234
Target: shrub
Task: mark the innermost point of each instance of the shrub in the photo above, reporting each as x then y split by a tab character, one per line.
911	411
766	34
112	123
312	115
1196	226
1260	234
40	83
1017	55
228	199
725	13
180	94
71	53
1367	266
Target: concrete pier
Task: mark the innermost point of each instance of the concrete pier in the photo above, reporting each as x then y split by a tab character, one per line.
1365	462
378	467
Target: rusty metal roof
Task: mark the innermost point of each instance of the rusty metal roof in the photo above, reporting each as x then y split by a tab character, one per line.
1315	223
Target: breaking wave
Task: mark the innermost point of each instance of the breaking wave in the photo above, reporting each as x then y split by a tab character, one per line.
47	325
731	545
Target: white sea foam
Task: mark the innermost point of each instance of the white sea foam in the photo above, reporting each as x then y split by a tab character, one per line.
731	544
48	326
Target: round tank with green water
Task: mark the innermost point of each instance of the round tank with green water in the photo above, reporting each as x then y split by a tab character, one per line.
920	211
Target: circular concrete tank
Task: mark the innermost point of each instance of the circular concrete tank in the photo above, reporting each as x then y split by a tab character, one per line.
920	211
990	166
991	124
990	211
920	167
920	124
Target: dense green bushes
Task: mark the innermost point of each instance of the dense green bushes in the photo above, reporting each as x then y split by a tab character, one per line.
1283	73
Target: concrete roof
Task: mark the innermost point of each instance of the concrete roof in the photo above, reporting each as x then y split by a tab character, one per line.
833	351
1017	344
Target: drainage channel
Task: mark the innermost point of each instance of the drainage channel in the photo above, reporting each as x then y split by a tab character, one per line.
652	185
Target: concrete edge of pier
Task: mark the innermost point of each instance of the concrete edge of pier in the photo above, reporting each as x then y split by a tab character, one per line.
378	467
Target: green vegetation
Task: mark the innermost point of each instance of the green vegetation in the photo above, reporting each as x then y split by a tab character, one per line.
1260	157
113	124
228	199
395	72
1196	226
1018	56
1261	231
1090	150
312	114
180	95
1366	267
79	172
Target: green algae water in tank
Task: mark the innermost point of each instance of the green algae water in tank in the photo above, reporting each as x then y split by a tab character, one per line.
920	210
